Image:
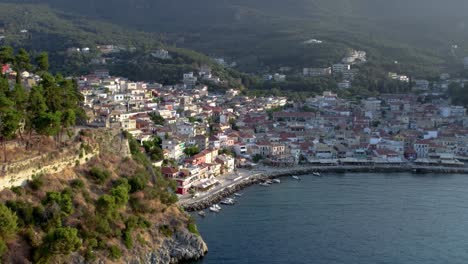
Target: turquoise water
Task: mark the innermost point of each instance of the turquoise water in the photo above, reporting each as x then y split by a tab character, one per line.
348	218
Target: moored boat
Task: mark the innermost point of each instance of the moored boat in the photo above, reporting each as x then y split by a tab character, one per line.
277	181
317	174
228	201
202	213
214	209
296	178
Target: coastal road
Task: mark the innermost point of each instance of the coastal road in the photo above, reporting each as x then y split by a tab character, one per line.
225	182
232	179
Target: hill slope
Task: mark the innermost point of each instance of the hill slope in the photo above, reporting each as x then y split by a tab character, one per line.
417	33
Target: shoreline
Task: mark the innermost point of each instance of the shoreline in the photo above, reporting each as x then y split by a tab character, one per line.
257	177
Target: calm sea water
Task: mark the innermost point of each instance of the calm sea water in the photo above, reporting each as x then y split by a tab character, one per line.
349	218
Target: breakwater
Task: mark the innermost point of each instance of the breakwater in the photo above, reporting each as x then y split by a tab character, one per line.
258	177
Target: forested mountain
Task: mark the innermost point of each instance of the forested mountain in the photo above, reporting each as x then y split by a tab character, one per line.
267	34
418	33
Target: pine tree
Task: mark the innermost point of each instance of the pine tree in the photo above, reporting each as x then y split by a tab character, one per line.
42	61
9	121
21	63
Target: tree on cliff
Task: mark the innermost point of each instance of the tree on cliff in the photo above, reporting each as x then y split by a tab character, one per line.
8	222
42	61
9	121
22	62
49	109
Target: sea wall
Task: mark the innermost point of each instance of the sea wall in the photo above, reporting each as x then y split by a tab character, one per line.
308	170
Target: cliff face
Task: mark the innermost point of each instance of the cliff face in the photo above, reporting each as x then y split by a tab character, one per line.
182	246
108	209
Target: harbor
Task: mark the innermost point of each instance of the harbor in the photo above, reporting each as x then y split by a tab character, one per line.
234	183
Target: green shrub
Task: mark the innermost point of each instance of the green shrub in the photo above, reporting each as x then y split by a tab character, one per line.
99	175
23	210
166	230
103	226
17	190
8	222
192	228
120	194
138	182
106	205
3	247
127	238
77	184
63	199
36	182
90	256
114	252
58	241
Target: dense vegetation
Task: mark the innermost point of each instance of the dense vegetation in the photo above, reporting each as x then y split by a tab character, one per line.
103	210
49	108
56	32
417	33
259	35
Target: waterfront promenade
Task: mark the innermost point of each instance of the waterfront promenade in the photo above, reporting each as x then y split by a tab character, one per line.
242	178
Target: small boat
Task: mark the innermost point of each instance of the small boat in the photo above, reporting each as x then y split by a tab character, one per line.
277	181
202	213
317	174
238	194
214	209
217	206
268	182
264	184
296	178
228	201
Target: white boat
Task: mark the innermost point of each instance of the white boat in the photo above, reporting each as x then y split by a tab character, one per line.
317	174
264	184
238	194
228	201
202	213
268	182
296	178
277	181
217	206
214	209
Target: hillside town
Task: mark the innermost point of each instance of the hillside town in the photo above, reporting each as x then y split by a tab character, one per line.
201	135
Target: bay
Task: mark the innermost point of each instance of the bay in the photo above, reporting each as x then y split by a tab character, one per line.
344	218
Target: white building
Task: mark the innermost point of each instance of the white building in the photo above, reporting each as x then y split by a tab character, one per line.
340	68
190	80
422	149
161	54
422	84
453	111
372	105
344	85
279	77
174	149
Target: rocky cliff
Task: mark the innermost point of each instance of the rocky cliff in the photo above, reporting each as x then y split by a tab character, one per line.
182	246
